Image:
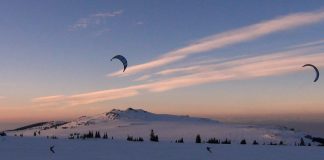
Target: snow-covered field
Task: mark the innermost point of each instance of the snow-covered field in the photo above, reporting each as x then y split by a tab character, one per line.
138	123
16	148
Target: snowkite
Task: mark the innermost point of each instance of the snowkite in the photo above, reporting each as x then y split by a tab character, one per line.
52	149
122	59
316	70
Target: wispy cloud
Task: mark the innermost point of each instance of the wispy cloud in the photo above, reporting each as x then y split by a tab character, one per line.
309	44
243	68
85	98
94	19
229	38
143	78
178	70
284	57
49	100
100	96
139	23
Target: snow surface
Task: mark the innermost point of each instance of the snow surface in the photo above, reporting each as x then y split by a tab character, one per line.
30	148
138	123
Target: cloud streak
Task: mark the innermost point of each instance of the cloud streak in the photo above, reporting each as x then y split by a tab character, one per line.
309	44
143	78
247	68
243	68
101	96
94	19
85	98
229	38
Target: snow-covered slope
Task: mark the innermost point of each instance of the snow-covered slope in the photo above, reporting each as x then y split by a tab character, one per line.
41	126
138	123
133	115
16	148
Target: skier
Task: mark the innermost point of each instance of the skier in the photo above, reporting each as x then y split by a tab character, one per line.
52	149
209	149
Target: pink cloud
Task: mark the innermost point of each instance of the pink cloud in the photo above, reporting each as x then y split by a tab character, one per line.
229	38
244	68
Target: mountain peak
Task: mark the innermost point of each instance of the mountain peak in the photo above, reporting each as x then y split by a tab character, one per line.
127	113
130	121
135	110
130	109
142	115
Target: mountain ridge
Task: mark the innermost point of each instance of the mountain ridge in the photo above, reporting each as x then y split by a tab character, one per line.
138	122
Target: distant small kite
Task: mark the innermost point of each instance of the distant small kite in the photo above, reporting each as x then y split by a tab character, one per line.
122	59
52	149
316	70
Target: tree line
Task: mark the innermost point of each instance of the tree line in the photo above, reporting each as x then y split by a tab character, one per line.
153	137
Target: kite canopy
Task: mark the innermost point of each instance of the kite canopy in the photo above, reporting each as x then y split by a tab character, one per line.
122	59
316	70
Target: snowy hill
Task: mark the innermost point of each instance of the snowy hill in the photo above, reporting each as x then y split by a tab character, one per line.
132	115
41	126
138	123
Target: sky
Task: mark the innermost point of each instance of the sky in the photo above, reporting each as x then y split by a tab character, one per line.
218	59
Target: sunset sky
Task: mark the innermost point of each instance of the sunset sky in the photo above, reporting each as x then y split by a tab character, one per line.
204	58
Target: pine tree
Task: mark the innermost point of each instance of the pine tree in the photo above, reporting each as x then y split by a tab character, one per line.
97	134
213	141
105	136
226	141
281	143
89	135
156	138
153	137
302	143
179	140
3	134
198	139
243	141
129	138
